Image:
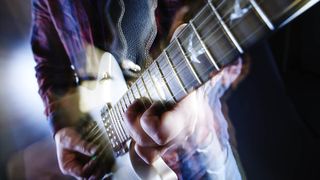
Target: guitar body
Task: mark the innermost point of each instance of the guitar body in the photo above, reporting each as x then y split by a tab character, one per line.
110	87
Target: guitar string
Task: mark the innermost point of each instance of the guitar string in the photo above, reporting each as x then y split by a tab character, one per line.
100	153
201	24
176	52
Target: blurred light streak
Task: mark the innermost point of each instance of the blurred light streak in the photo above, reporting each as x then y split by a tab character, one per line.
22	103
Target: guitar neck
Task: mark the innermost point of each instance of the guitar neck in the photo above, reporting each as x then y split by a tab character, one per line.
215	37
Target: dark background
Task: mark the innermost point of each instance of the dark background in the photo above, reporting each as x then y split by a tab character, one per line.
274	110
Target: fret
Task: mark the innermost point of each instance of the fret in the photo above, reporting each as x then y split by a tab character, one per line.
124	108
128	98
170	78
204	47
130	95
174	72
141	88
244	23
214	36
225	27
150	86
196	55
262	15
194	73
185	78
126	101
135	91
144	81
160	83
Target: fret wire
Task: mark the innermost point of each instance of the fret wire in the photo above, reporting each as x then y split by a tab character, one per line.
140	87
129	96
262	15
155	70
146	80
124	100
145	86
187	60
166	83
133	96
174	71
124	108
128	99
138	90
226	29
116	124
204	47
122	125
156	87
135	91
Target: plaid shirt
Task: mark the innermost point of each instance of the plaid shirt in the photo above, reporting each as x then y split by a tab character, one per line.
60	29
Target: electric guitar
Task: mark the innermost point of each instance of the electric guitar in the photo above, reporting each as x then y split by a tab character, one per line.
222	31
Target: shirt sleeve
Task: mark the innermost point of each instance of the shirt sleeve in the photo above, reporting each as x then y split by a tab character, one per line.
54	74
223	165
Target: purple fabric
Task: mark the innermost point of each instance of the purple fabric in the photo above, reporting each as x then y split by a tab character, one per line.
60	30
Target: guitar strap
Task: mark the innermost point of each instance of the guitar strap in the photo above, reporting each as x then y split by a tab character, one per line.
137	30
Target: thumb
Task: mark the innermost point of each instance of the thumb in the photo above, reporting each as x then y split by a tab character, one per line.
70	139
83	147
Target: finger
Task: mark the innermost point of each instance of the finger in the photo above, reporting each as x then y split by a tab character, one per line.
177	31
73	168
147	154
84	147
132	121
71	140
166	127
232	72
90	167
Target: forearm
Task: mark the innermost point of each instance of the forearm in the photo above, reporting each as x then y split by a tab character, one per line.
55	76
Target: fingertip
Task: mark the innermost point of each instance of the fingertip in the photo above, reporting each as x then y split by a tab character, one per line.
148	155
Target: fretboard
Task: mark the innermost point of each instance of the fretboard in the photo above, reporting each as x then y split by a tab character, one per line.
215	37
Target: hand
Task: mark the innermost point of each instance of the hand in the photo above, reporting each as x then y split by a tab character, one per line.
78	157
156	129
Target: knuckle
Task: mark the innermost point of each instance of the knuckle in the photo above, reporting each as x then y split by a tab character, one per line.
160	139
